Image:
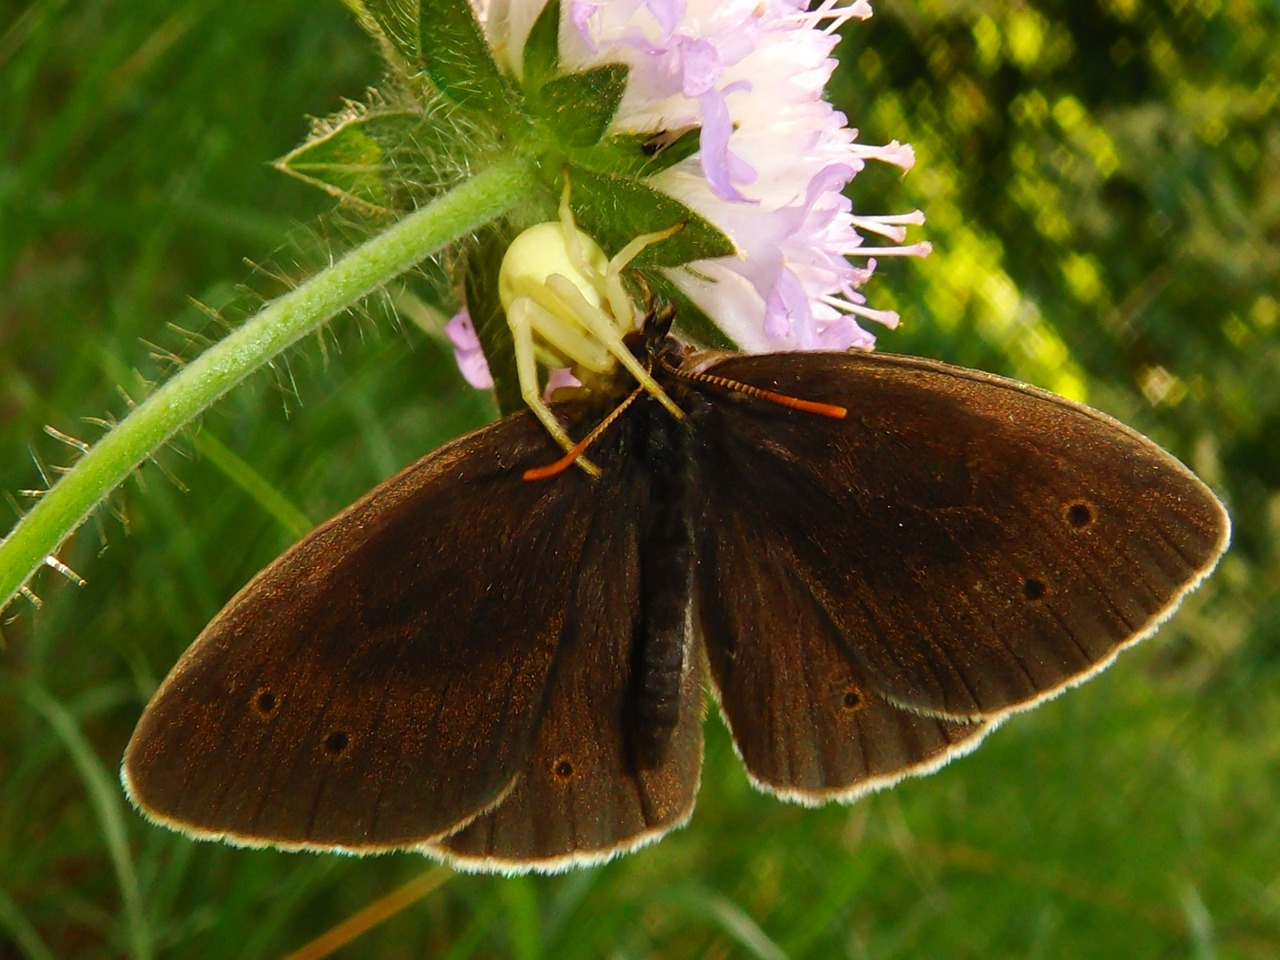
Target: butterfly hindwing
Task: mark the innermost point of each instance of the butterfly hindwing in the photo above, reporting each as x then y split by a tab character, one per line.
584	796
581	798
805	720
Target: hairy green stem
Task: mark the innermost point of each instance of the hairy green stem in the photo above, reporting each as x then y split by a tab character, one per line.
281	323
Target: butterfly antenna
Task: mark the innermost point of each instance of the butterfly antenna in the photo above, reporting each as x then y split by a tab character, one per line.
831	410
551	469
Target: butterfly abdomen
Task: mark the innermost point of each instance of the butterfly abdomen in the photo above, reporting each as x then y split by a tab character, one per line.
666	583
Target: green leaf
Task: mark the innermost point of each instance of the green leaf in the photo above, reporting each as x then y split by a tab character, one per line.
639	154
483	258
268	498
616	209
458	60
392	22
353	160
542	47
103	792
579	107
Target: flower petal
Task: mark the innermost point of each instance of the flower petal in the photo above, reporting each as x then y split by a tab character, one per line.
466	350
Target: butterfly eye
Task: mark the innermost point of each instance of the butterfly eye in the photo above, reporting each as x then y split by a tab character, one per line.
1079	514
1033	589
335	744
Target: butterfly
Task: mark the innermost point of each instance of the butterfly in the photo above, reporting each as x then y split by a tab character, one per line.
500	660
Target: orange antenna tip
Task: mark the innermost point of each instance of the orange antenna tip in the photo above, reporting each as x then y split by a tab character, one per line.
807	406
551	469
832	410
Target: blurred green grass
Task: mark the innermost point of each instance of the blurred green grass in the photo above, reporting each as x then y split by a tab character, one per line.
1102	184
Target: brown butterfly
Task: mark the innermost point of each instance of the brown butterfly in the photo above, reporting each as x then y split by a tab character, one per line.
875	558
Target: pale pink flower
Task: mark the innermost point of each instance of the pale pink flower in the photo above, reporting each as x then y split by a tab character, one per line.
774	157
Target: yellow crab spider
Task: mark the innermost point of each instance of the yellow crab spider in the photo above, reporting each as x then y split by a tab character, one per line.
567	307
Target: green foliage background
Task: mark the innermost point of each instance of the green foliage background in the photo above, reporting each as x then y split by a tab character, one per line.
1102	181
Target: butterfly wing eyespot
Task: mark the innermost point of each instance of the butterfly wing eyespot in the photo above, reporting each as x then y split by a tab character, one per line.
265	702
1078	514
1033	589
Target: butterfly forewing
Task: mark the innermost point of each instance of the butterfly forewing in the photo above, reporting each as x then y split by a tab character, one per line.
382	682
977	543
